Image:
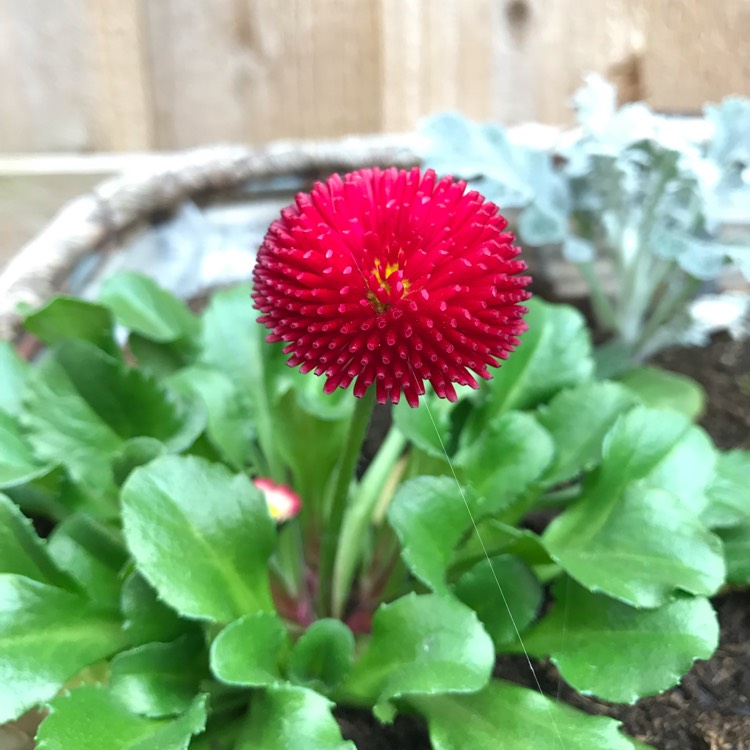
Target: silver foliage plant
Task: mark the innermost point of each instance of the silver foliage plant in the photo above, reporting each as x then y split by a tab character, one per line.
640	205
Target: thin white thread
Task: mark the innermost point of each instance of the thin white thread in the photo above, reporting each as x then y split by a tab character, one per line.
494	574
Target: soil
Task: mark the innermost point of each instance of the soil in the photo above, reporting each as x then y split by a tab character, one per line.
710	708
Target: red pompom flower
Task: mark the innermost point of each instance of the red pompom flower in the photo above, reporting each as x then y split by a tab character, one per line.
392	278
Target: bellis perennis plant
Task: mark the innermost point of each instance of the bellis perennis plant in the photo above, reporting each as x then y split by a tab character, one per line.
223	571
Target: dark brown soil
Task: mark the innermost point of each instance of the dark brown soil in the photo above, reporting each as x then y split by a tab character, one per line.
710	708
723	369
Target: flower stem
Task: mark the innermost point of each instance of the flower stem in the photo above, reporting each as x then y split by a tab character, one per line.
359	516
344	473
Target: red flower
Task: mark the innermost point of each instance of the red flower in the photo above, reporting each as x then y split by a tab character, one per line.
393	278
283	502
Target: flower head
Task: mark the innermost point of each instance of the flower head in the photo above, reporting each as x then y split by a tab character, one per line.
392	278
283	503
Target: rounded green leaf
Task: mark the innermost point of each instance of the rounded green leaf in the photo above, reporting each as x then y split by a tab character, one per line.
147	618
555	353
323	655
687	470
83	405
619	653
640	547
47	635
201	535
92	554
287	716
578	419
515	718
505	594
72	318
247	651
18	464
429	429
737	553
422	645
159	679
230	427
137	451
506	459
13	373
729	491
430	517
23	552
141	305
92	718
662	389
639	441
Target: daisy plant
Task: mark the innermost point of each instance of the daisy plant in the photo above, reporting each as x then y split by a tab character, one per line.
220	568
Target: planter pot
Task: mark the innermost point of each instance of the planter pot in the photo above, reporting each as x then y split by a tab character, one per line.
190	249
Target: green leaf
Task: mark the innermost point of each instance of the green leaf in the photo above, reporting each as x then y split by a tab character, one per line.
661	389
91	718
418	426
147	618
159	679
247	651
230	426
47	635
555	353
323	656
13	373
141	305
286	716
22	552
84	405
729	492
638	442
234	343
294	431
495	537
504	593
517	717
422	645
137	451
64	318
429	517
512	452
619	653
18	464
662	448
737	553
687	470
578	419
92	555
160	359
640	547
201	535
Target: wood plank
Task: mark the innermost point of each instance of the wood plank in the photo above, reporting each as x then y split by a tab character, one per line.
194	71
46	75
255	70
122	117
437	55
695	52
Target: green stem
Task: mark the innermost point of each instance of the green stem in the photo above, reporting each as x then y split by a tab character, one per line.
359	516
603	310
289	558
343	478
671	304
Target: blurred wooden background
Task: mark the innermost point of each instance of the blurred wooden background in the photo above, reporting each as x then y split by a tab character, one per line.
124	75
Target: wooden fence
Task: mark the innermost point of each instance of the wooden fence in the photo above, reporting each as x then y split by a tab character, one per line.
101	75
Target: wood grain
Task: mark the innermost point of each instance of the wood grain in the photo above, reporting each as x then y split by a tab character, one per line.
83	75
695	52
